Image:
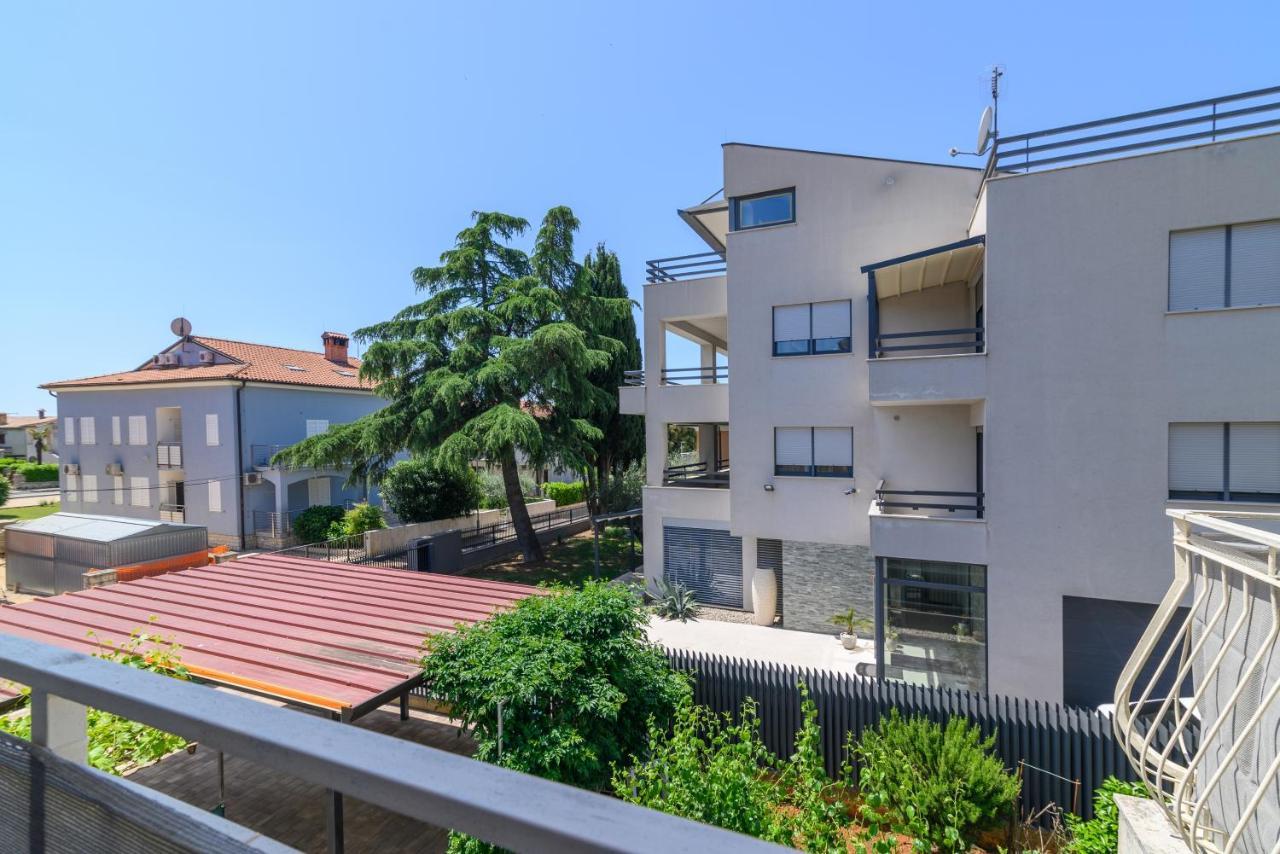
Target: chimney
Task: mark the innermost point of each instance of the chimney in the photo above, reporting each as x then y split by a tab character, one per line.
335	347
40	413
4	418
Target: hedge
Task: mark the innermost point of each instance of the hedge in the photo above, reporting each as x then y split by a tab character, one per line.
565	493
37	472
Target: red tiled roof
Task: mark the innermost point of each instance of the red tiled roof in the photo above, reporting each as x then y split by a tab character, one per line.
252	362
24	421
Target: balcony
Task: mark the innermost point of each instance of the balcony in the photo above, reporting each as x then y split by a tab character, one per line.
710	475
169	455
680	394
923	525
274	524
173	513
261	455
700	265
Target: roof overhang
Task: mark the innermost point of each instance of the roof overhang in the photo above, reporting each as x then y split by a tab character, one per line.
929	268
710	220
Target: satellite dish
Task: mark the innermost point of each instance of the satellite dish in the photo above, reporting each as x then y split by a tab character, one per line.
984	131
180	327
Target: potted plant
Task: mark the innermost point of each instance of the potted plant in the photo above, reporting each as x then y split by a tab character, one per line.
850	623
961	629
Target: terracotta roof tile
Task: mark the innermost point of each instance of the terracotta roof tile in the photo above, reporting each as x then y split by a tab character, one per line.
251	362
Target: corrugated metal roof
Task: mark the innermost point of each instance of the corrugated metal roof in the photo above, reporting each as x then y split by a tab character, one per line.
332	636
101	529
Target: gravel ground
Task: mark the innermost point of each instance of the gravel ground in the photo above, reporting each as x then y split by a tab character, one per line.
724	615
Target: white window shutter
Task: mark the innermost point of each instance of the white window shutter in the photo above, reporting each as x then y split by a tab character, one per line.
137	429
91	487
117	490
792	446
211	429
68	431
1195	457
140	492
831	319
88	431
1255	263
1255	457
791	322
72	485
316	426
115	429
215	496
833	446
1197	269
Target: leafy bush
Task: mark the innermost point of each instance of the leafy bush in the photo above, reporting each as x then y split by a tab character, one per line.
624	491
417	491
936	784
4	489
360	518
676	602
312	524
1100	835
38	472
493	493
565	493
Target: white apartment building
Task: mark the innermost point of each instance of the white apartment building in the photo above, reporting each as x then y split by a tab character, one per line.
960	400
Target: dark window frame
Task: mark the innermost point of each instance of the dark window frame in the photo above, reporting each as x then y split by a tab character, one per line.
811	343
736	201
1226	495
811	470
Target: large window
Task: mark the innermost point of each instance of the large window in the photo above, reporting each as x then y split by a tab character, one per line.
773	208
812	328
1213	461
813	451
1224	267
933	626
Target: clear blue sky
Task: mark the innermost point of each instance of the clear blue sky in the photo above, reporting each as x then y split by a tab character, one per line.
272	170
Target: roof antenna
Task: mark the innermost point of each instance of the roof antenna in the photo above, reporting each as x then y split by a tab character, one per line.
988	123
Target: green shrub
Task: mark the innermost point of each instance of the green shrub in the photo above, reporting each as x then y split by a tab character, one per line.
935	784
312	524
417	491
1100	834
38	472
493	493
624	491
363	517
4	490
676	602
565	493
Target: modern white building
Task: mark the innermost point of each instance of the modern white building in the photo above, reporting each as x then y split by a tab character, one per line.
961	399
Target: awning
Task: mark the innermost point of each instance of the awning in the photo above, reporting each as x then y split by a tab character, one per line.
335	637
929	268
710	220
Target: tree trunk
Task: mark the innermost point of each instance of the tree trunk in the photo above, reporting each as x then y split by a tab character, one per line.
602	480
593	491
39	452
529	545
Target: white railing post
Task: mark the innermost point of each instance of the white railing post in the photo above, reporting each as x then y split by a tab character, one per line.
60	725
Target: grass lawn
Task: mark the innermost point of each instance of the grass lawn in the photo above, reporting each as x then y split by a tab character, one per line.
570	562
28	512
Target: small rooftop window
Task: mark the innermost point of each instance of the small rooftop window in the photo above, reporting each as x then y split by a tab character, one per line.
295	368
344	373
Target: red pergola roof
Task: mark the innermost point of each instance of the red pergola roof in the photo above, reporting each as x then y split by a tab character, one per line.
338	637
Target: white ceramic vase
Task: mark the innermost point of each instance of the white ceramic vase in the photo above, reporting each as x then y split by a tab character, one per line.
764	595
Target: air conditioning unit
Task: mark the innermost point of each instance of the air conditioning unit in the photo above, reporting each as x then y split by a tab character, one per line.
71	469
251	478
157	359
115	469
206	358
170	359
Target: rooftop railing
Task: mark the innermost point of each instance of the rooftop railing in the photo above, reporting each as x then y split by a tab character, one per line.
506	808
681	267
1209	120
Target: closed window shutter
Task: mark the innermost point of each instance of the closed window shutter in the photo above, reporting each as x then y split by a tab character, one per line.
1255	263
115	429
833	446
215	496
137	429
91	487
831	319
211	429
140	492
1255	457
88	433
72	486
1195	457
792	446
1197	269
316	426
791	322
117	490
68	431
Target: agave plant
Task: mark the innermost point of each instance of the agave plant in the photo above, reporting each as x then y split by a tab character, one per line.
676	602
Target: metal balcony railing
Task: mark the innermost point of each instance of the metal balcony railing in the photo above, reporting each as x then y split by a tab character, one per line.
969	340
682	376
923	499
169	455
698	474
503	807
680	267
1196	704
274	524
262	454
1209	120
173	513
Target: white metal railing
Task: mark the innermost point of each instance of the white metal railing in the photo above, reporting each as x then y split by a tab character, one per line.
516	811
1196	704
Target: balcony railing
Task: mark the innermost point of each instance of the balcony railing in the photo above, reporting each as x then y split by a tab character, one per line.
274	524
169	455
969	339
1195	122
173	513
923	499
683	376
674	269
698	474
503	807
1196	704
262	454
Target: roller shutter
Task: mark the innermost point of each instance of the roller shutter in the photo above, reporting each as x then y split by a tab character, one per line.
707	561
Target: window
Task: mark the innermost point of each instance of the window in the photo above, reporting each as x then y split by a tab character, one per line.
69	487
139	491
316	426
68	431
115	429
812	328
1239	461
1227	266
215	496
137	429
813	451
117	489
211	429
772	208
90	487
933	629
88	432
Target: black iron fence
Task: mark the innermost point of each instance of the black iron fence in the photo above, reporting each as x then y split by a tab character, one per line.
1063	753
482	536
684	267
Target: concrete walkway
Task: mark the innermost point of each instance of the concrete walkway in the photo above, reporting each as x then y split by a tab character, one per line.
31	497
762	643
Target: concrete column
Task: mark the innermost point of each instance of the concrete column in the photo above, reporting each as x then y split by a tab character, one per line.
707	446
60	725
707	361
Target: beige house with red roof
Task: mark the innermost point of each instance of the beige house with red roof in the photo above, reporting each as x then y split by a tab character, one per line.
17	436
188	435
